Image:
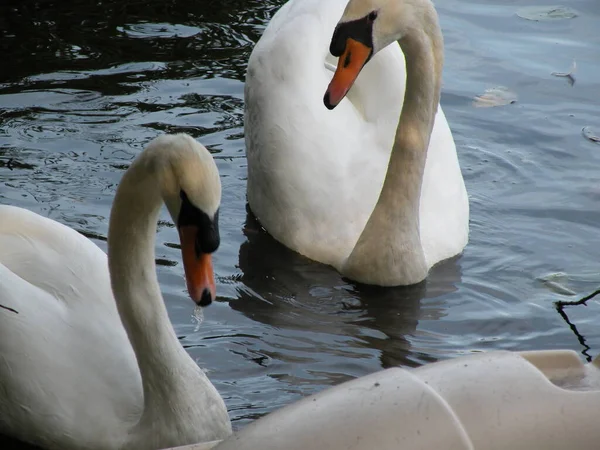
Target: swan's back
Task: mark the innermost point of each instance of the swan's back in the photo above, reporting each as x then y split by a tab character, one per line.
53	257
65	335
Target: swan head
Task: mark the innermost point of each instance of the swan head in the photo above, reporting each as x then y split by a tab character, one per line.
366	27
191	189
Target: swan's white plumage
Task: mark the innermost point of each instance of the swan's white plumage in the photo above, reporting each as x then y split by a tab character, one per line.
315	175
69	378
57	281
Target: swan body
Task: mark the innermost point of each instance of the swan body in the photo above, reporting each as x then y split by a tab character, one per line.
88	357
533	400
315	176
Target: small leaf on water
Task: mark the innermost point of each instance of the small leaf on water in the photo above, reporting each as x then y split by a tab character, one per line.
541	13
165	262
554	276
558	288
496	96
570	75
590	135
556	283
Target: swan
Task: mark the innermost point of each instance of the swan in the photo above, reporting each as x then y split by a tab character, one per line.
381	200
88	356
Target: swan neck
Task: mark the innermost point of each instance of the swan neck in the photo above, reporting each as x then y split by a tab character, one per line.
132	230
424	59
389	250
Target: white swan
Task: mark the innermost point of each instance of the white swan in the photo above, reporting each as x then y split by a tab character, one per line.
81	369
315	176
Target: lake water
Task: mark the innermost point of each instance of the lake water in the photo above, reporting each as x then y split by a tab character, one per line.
84	85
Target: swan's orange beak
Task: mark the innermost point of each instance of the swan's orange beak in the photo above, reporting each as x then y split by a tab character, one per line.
350	64
199	274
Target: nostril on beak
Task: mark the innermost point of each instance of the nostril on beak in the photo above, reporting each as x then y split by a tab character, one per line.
206	298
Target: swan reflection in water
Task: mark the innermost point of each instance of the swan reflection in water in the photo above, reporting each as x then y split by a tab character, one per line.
285	290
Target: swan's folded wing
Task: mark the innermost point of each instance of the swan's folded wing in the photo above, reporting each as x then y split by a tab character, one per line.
65	359
53	257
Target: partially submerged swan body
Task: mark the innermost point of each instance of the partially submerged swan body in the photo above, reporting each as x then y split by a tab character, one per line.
88	356
316	177
535	400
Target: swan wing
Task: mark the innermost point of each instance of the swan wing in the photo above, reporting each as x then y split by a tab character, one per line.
66	363
54	258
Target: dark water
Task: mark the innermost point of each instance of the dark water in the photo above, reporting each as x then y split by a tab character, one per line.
84	85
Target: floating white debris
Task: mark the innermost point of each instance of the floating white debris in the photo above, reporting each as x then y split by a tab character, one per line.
556	283
496	96
570	74
541	13
590	135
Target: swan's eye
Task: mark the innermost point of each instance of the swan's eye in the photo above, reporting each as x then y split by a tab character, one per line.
372	16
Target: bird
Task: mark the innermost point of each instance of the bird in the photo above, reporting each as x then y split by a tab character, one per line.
373	188
88	356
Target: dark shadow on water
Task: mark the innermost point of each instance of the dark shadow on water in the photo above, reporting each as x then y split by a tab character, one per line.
92	34
299	294
7	443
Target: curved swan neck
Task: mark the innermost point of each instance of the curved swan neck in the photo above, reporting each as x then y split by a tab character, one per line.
389	250
164	365
423	52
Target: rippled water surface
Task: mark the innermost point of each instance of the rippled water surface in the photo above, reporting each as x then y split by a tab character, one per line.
85	85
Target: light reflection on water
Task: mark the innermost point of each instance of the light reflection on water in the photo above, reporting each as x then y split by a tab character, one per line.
76	108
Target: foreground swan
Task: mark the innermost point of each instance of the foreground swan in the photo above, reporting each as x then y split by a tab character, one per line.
315	176
535	400
73	375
